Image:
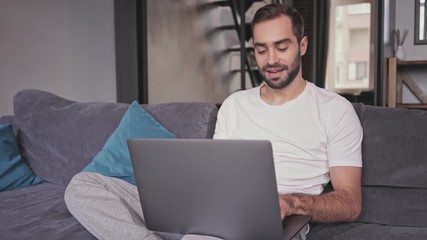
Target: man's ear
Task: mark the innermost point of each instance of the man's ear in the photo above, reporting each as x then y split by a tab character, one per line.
303	45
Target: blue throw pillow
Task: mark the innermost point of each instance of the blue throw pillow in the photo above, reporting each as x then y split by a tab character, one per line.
114	159
14	172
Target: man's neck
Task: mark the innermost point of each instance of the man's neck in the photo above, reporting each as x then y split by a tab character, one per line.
281	96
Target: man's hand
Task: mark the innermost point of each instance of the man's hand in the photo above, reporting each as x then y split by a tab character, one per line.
287	203
284	207
342	204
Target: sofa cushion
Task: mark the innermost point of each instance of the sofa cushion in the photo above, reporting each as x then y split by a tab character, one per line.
394	178
394	206
38	212
59	137
394	146
114	159
14	171
362	231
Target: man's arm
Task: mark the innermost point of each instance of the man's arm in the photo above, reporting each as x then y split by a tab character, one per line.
342	204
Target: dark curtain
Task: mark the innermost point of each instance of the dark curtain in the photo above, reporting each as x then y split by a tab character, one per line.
319	43
130	24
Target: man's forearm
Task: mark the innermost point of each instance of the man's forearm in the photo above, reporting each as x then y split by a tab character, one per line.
336	206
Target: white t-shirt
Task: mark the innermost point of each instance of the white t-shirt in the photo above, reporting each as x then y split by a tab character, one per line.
316	130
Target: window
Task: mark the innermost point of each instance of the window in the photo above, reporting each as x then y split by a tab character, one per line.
361	8
350	60
361	70
422	20
358	38
351	71
357	71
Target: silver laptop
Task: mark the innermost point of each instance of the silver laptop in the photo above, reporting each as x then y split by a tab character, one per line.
221	188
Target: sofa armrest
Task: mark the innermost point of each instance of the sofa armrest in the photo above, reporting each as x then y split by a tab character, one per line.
9	119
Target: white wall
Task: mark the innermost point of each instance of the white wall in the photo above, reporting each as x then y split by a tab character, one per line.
405	12
62	46
405	19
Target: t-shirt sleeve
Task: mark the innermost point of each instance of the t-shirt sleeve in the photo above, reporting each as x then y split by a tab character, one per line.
345	135
221	127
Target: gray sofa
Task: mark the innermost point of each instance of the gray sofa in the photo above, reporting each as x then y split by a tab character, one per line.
394	181
59	137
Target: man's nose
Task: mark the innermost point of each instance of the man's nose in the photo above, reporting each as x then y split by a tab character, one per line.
272	57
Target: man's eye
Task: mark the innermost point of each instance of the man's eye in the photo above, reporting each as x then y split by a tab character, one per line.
282	49
261	52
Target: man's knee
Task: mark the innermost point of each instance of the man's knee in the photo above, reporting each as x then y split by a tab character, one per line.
76	187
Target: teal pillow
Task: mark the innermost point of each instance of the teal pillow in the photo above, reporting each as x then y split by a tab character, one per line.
14	171
114	159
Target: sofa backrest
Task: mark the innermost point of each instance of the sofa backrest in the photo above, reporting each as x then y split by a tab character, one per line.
394	152
59	137
9	119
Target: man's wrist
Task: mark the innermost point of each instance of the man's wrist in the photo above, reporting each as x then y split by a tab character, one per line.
291	201
295	202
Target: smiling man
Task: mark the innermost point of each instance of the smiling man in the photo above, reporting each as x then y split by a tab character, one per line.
316	138
316	134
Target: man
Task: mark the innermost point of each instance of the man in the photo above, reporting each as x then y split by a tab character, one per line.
316	138
316	135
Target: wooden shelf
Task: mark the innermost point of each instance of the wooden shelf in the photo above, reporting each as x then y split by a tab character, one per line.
411	105
397	77
411	62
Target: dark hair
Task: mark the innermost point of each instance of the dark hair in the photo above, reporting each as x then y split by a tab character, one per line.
272	11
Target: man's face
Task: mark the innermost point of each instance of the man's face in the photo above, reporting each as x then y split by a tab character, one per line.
277	51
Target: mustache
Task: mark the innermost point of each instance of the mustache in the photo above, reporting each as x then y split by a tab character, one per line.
276	65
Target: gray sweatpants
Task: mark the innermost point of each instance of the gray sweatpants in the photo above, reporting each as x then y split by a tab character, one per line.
110	208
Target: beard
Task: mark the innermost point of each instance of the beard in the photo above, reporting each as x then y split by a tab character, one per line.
282	82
